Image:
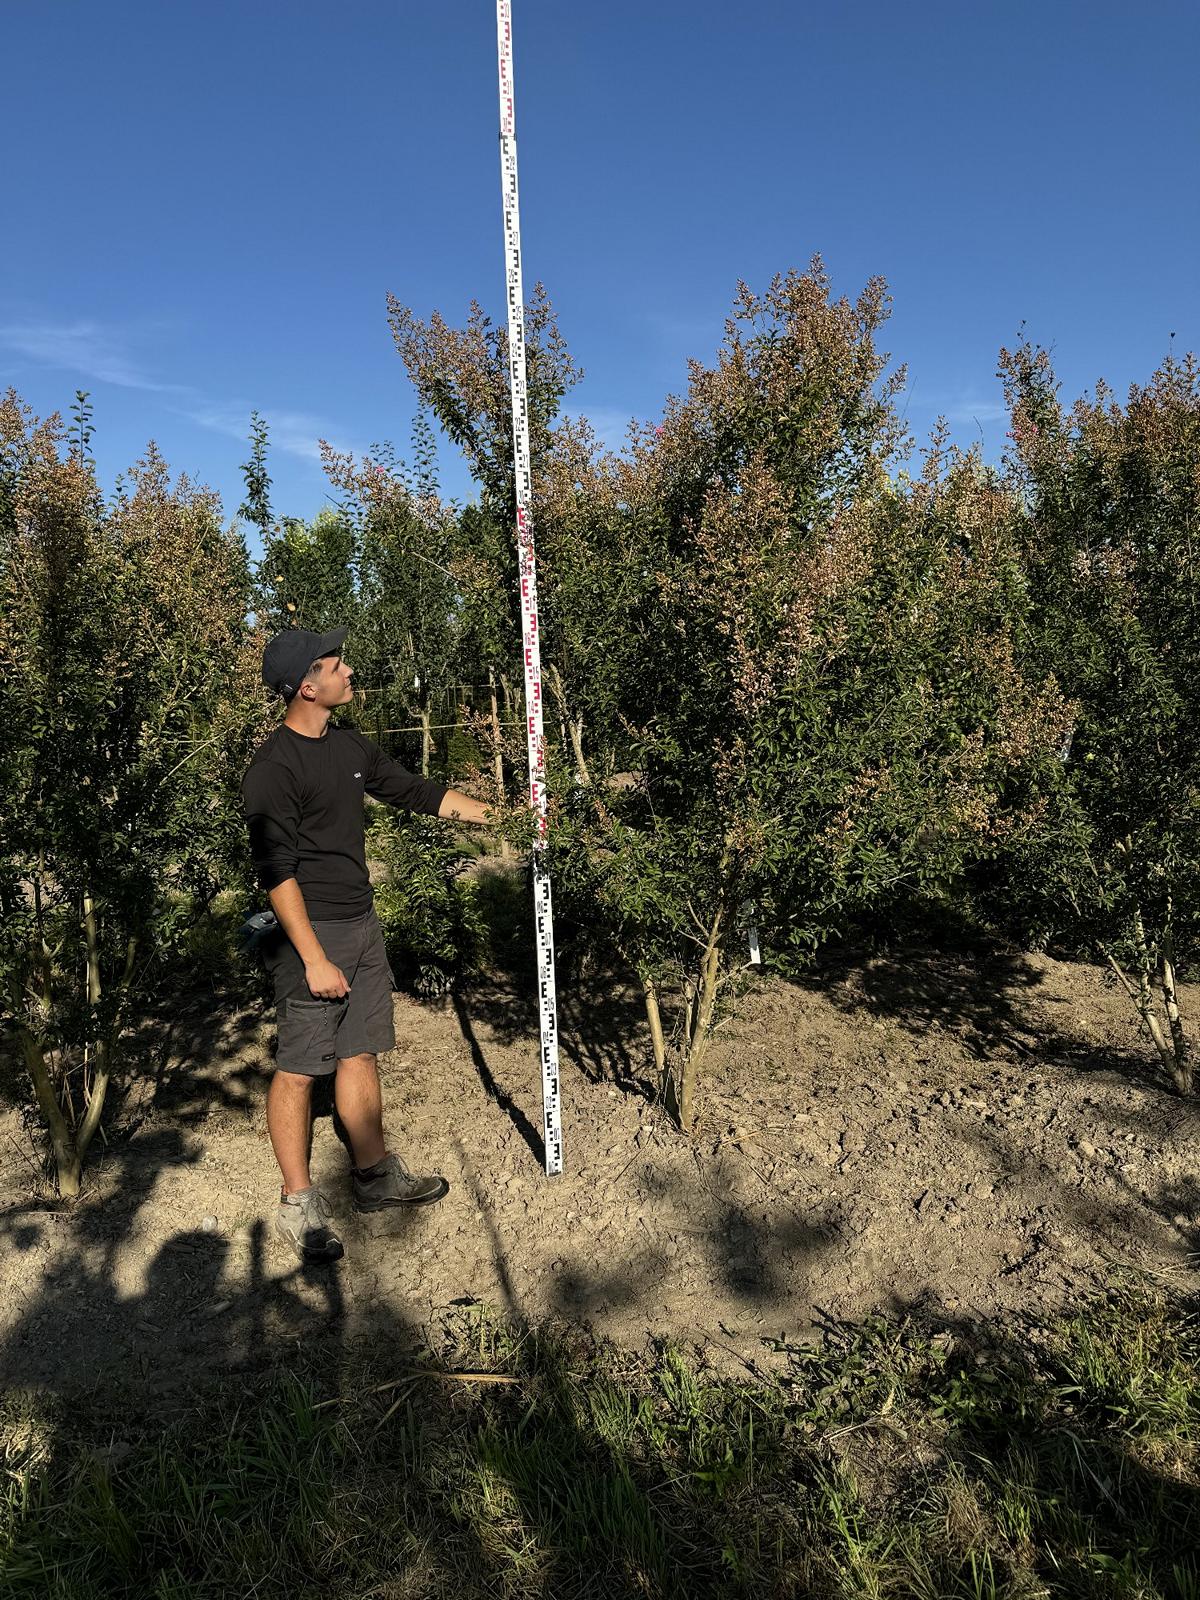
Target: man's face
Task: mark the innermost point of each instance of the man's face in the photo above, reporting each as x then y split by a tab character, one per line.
329	682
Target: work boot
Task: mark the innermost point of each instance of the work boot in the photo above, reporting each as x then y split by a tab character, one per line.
390	1183
303	1221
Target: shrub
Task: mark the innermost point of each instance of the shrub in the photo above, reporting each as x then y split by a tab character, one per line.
1110	499
128	705
433	922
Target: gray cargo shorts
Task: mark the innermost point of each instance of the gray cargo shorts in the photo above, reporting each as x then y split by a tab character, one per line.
314	1035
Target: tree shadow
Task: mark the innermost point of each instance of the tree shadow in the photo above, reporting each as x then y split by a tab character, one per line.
753	1261
193	1054
601	1024
139	1345
1103	1218
983	997
514	1113
1032	1427
604	1034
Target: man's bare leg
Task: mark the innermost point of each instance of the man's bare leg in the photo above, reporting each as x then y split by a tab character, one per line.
303	1221
289	1122
359	1101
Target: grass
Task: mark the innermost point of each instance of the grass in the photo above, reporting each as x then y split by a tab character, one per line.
893	1459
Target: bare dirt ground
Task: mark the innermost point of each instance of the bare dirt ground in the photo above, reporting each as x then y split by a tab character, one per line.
982	1137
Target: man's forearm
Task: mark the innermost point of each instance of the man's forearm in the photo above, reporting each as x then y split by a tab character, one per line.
460	807
287	902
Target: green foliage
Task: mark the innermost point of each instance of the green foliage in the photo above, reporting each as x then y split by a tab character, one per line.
256	507
81	411
464	758
306	578
462	377
406	629
1110	499
433	923
128	706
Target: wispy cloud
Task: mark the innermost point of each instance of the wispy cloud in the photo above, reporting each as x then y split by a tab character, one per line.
102	354
86	348
961	406
976	411
297	433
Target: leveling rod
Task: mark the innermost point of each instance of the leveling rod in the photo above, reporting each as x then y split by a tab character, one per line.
543	911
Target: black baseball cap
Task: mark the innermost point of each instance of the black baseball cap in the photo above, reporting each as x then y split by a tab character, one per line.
289	655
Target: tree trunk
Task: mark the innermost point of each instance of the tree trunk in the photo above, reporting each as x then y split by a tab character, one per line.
654	1019
98	1087
1142	1002
1181	1070
700	1016
574	731
668	1089
426	741
105	1047
67	1163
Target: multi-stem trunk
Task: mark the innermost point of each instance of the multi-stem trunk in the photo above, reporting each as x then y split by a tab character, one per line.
68	1145
657	1037
1181	1049
574	728
701	1006
102	1068
68	1164
1157	968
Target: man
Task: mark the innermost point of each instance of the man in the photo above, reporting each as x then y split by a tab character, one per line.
303	797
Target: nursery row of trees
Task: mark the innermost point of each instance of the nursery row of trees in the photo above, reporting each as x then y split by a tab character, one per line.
799	686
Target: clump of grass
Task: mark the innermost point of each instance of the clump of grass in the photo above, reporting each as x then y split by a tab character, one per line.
891	1459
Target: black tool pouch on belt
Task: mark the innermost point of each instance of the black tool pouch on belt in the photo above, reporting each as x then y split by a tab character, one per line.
255	931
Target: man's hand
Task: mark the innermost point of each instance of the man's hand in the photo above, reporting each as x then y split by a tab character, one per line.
325	981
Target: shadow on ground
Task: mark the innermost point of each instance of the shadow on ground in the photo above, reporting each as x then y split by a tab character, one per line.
988	999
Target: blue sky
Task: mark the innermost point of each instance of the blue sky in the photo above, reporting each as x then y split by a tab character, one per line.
213	199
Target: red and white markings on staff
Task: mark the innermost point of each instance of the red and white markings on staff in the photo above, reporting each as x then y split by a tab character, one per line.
542	906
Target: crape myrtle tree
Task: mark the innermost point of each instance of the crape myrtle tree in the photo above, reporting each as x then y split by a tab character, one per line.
462	378
1110	496
592	575
128	705
840	710
809	676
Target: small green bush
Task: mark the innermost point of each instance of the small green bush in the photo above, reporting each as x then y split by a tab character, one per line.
464	758
433	922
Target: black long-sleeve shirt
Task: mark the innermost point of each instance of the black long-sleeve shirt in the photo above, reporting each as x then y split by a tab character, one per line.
303	800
